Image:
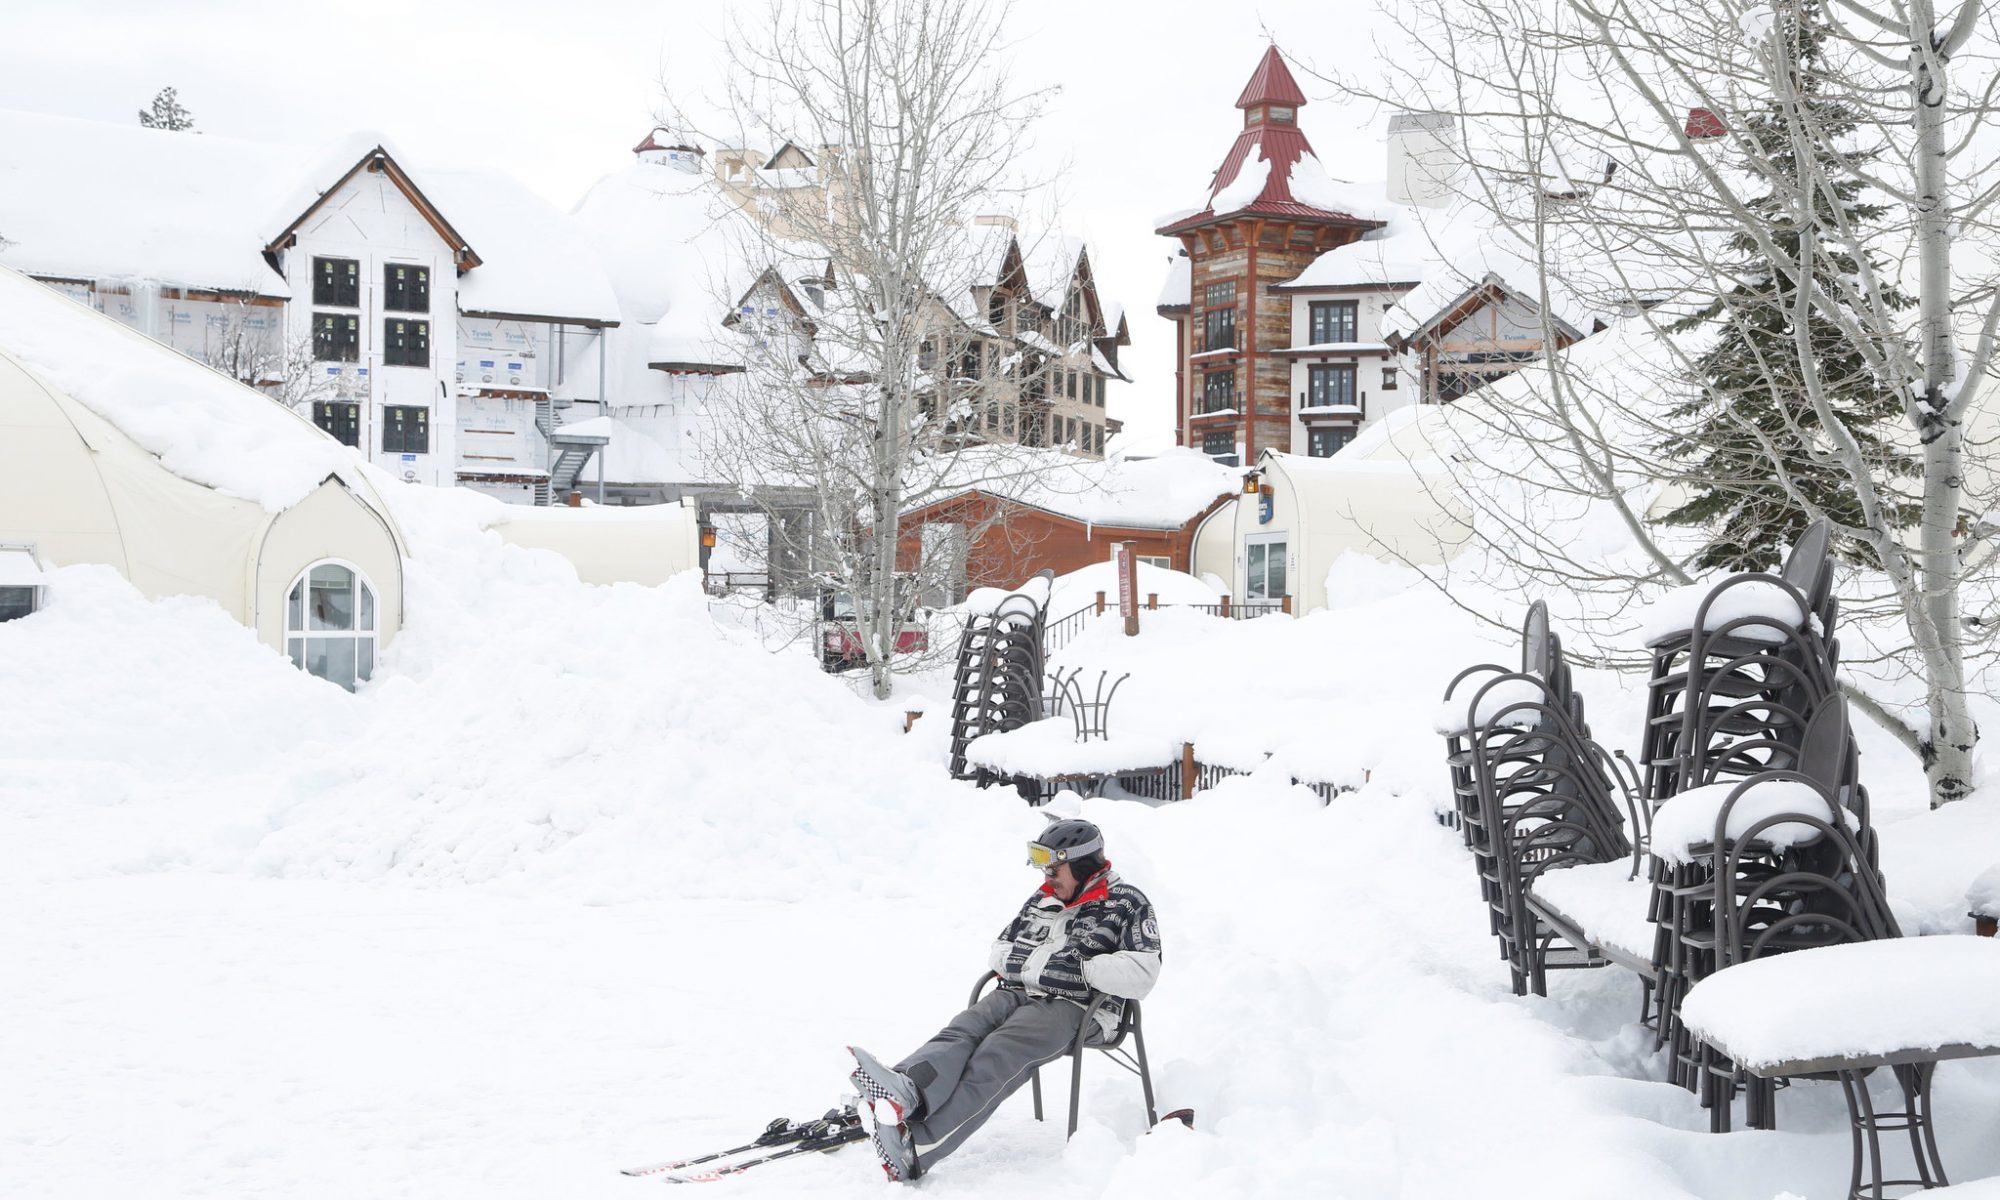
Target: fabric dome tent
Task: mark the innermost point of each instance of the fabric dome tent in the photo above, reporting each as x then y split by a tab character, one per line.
79	392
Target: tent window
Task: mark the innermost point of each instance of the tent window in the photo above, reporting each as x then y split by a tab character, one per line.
16	602
1266	563
337	281
330	624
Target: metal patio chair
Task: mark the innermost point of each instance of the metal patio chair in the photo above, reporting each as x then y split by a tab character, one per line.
1134	1060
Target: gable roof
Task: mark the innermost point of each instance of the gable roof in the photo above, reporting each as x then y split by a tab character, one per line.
374	158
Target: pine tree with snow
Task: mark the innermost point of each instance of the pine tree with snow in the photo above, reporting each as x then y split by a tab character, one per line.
167	113
1751	434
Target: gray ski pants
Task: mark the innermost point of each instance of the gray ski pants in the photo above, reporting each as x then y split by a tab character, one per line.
981	1058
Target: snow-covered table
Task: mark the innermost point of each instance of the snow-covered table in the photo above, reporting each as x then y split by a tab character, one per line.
1048	751
1903	1003
1601	908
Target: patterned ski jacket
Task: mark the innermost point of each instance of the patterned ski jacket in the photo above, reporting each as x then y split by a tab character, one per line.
1105	940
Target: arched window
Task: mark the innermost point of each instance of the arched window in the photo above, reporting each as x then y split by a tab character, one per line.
330	624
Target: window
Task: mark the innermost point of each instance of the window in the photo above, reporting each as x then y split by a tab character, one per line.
406	430
1266	570
340	419
406	288
996	310
1333	321
16	602
1283	113
1325	443
406	343
1220	446
337	281
1388	379
1329	383
1069	383
1218	391
1157	560
1219	318
330	624
968	363
336	337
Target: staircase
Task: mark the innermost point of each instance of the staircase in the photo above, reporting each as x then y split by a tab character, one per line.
569	452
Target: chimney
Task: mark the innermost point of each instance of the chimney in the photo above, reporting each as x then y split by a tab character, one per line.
1423	159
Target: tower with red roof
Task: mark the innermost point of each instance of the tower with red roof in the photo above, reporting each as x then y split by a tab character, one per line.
1269	212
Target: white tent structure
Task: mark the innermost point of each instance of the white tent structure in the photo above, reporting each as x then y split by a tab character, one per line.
1386	495
117	450
644	544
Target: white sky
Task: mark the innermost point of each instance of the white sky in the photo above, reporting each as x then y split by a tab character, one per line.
558	93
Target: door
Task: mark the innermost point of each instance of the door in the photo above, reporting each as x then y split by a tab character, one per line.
1264	576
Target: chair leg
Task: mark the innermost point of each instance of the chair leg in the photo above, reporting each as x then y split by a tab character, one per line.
1145	1072
1075	1087
1035	1081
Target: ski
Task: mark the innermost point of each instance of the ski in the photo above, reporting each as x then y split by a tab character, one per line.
779	1132
830	1136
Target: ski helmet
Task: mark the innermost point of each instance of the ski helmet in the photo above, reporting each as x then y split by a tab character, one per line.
1073	841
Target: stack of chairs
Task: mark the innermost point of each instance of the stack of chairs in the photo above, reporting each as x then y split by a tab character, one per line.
1748	695
1753	872
997	685
1537	795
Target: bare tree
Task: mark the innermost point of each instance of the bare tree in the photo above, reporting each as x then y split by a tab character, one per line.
1644	102
888	379
248	344
167	112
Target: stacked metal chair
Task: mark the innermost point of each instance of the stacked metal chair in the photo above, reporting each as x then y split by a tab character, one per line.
998	681
1748	696
1537	795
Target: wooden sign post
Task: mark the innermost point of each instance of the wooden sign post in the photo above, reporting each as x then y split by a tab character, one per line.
1128	587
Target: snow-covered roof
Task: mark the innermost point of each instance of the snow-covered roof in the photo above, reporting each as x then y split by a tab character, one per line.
1177	290
534	261
92	200
202	425
1271	170
1163	492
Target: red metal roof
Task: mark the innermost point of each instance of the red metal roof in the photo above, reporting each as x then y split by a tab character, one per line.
1271	84
1702	123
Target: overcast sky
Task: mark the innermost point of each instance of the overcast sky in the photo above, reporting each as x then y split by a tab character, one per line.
558	93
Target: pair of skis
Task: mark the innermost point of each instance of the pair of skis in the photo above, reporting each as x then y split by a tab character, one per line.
781	1139
785	1138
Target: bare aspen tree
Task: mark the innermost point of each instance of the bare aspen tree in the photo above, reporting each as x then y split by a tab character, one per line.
877	380
1607	144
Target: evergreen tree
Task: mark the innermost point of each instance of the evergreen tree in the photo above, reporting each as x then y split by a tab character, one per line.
1751	378
167	112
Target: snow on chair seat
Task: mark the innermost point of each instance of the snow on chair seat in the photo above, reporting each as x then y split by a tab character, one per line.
1756	610
1894	998
1461	714
1688	821
1606	905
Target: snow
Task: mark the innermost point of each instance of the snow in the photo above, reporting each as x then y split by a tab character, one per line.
68	189
1311	186
1983	897
582	878
1758	599
1344	348
204	426
1687	820
1078	589
603	427
1048	748
1164	491
1177	289
18	568
1606	902
1852	1001
1459	714
1243	190
533	260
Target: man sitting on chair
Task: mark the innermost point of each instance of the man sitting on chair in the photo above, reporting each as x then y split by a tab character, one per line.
1082	934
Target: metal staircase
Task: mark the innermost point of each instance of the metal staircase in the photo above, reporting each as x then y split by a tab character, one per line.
569	453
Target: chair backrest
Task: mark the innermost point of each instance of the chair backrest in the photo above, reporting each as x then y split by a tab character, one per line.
1806	564
1535	639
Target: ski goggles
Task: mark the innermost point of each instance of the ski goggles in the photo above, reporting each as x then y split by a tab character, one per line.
1049	858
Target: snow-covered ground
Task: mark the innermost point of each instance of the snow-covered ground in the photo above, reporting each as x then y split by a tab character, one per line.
586	878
